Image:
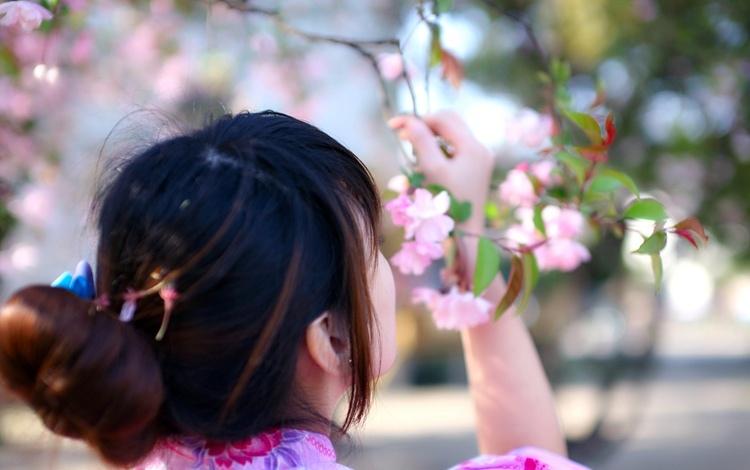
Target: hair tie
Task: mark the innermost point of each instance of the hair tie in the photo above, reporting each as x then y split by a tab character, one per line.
81	283
127	312
169	295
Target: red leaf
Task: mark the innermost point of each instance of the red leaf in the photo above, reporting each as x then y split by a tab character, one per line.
692	224
594	154
515	285
610	129
687	235
453	70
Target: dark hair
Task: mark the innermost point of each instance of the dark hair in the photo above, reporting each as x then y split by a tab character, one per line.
262	222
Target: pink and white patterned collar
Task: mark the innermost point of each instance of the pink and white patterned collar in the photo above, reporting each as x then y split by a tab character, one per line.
277	449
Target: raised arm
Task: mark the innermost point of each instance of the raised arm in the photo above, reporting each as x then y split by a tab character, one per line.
512	396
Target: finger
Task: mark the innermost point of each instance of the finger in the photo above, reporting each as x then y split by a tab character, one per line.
424	142
450	126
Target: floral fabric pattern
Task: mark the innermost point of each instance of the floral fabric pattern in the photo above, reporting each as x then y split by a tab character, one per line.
295	449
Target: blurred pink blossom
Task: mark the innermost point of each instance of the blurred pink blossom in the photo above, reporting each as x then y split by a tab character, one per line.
516	190
24	15
264	43
19	257
530	128
34	47
76	5
141	45
170	82
562	254
414	256
33	205
543	172
562	222
391	65
83	46
429	222
15	103
15	147
399	183
455	310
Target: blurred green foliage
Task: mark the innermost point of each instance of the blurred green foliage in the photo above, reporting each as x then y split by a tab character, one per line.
676	73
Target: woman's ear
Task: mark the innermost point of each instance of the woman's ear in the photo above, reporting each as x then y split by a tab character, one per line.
325	345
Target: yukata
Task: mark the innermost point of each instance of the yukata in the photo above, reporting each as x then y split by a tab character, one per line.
295	449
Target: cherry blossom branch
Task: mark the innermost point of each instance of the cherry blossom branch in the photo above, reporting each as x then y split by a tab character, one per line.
360	46
498	241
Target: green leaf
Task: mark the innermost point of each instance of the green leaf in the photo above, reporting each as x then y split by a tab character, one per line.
538	221
658	269
575	163
648	209
587	124
515	285
488	265
491	210
653	244
441	6
560	71
460	211
624	179
435	188
530	277
604	184
416	179
436	48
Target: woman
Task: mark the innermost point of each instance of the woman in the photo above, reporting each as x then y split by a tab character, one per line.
241	294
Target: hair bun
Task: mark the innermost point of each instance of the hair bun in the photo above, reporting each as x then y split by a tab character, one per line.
87	376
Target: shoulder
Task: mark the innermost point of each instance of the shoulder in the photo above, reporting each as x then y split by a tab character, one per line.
525	458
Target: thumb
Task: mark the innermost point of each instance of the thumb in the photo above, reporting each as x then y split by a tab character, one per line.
425	144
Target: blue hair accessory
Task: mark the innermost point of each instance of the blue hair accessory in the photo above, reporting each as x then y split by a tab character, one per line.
81	282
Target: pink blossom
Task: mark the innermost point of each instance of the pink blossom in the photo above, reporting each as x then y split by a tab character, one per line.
17	258
34	205
559	250
23	15
82	48
414	257
562	254
397	208
543	171
264	43
170	81
15	103
517	189
76	5
399	183
530	128
562	222
391	65
455	310
429	222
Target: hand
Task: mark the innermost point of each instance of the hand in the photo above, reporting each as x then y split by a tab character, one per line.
466	175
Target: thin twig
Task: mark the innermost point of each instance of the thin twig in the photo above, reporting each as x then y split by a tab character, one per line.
528	29
360	46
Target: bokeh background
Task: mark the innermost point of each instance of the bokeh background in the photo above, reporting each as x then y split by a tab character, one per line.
642	379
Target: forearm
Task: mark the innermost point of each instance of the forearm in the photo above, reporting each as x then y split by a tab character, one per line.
512	396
